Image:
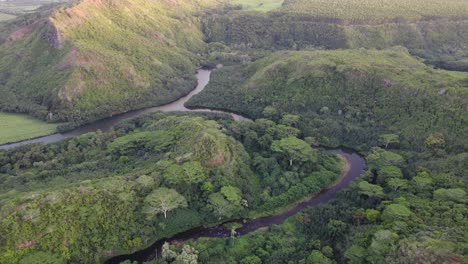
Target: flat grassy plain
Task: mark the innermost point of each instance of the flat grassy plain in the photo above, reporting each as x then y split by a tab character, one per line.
17	127
259	5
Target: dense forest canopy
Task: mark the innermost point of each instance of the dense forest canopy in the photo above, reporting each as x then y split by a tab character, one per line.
149	178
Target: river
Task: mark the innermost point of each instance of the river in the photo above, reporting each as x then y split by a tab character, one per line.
354	169
355	166
203	77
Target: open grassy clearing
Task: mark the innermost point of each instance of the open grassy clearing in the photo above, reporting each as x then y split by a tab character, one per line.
17	127
258	5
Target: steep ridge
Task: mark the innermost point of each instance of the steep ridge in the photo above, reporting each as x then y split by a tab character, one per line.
94	58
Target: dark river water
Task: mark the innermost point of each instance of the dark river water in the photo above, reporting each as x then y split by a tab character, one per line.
356	165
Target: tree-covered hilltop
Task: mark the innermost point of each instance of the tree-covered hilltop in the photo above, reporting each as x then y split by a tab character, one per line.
91	59
100	194
434	30
348	97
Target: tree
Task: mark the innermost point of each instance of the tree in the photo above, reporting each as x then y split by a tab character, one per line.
387	139
317	257
289	120
189	255
397	184
435	140
163	200
336	228
251	260
382	242
270	112
167	253
370	190
386	172
355	254
40	257
232	194
372	215
281	131
207	187
422	181
294	149
379	158
312	141
220	206
191	172
396	212
194	172
456	195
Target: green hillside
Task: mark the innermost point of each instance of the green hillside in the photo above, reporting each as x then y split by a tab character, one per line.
348	96
89	60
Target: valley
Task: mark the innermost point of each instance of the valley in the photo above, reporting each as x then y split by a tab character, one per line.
232	131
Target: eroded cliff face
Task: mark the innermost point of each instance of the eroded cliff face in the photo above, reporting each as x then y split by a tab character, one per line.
93	58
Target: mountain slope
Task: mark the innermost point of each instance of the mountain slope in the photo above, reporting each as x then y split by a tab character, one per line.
95	58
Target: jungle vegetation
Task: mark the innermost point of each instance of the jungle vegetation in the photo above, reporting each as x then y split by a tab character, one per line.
89	198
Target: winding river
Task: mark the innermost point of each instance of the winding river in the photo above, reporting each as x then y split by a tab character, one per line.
203	77
354	168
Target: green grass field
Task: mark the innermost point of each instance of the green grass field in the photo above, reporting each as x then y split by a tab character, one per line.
258	5
17	127
4	17
356	10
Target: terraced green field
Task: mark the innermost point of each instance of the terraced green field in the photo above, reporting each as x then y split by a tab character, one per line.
4	17
17	127
378	10
259	5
